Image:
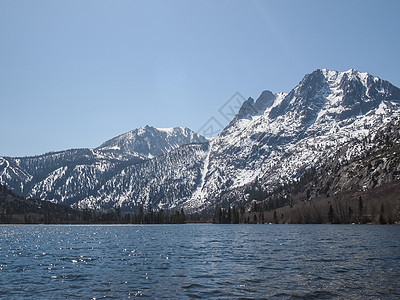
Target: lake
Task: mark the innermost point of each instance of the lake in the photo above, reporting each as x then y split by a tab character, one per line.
200	261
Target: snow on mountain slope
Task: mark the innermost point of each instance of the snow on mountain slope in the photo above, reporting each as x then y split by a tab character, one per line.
296	131
166	181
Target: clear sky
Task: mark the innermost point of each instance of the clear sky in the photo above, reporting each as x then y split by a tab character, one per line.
75	73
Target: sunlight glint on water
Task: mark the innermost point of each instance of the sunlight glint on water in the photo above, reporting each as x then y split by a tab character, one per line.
200	261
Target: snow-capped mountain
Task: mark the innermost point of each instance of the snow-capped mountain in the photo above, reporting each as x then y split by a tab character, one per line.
72	175
276	138
149	142
273	140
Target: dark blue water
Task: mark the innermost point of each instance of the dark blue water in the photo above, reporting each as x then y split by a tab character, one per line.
200	261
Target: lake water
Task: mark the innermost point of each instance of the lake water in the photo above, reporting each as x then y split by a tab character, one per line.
200	261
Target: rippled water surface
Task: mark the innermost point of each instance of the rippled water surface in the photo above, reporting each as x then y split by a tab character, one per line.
200	261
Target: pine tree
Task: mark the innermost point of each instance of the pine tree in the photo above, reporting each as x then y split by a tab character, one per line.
182	218
140	218
360	209
331	215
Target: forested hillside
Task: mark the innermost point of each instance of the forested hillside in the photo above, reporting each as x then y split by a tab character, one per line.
16	209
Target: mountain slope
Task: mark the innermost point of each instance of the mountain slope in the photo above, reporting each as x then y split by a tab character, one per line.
365	189
165	182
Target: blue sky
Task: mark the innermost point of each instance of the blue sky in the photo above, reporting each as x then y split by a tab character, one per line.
75	73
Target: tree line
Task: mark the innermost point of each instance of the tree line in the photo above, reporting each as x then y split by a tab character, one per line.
15	209
377	207
144	216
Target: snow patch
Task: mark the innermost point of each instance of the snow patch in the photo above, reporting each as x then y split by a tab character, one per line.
169	130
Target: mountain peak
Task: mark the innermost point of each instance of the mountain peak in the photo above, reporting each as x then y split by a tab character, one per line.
265	101
351	74
341	94
251	108
149	142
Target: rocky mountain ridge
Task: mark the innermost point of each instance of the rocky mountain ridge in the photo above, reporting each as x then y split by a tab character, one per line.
149	142
297	131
